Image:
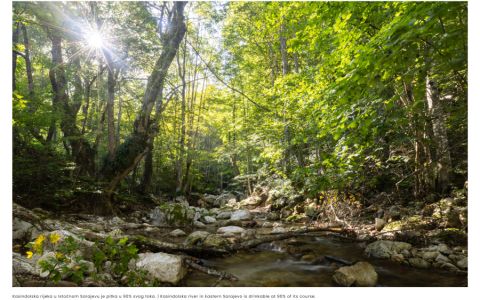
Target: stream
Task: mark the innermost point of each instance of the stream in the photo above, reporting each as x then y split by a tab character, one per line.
271	266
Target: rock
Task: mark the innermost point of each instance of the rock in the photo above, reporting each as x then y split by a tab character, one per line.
267	224
463	264
395	213
248	234
23	230
174	214
210	199
278	230
442	259
448	266
22	265
360	274
209	219
273	216
157	217
406	253
223	199
224	215
277	224
241	215
162	266
379	224
199	224
230	230
384	249
116	221
196	237
397	258
419	263
444	249
429	255
231	203
251	201
215	241
177	233
454	219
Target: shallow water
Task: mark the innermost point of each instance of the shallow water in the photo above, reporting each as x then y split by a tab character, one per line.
270	265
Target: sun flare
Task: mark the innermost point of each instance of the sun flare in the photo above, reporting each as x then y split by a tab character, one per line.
94	40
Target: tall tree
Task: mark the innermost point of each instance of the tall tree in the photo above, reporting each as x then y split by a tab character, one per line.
131	152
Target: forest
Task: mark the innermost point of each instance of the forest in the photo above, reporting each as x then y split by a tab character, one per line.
239	143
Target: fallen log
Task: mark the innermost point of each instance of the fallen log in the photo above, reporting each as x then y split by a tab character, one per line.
146	243
282	236
156	245
210	271
338	260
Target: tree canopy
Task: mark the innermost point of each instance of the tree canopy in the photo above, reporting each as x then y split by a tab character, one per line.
177	98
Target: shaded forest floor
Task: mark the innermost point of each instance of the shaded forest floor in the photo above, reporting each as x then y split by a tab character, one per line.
431	236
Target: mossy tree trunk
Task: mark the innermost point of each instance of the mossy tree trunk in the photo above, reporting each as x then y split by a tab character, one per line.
133	150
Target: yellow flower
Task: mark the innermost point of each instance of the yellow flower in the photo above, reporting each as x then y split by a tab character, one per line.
37	244
54	238
58	255
29	254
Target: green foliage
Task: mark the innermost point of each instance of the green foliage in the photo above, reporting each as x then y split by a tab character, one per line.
119	253
65	261
347	111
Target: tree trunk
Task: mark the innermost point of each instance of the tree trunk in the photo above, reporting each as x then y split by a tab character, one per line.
181	140
191	117
119	120
110	105
82	153
443	162
14	56
28	63
283	49
128	153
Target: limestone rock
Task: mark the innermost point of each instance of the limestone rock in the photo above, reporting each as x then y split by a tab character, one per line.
23	230
198	224
196	237
230	230
248	234
429	255
22	265
162	266
224	215
267	224
241	215
177	233
215	241
223	199
379	224
209	219
252	200
384	249
463	264
278	230
419	263
360	274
